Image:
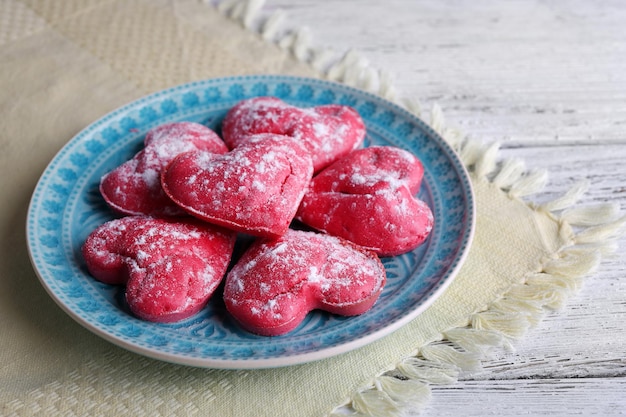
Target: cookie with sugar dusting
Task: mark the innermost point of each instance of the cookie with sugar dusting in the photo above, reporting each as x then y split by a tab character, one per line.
328	132
368	197
170	268
134	188
255	188
277	282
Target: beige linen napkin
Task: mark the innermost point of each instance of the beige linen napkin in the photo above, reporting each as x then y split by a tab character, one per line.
65	64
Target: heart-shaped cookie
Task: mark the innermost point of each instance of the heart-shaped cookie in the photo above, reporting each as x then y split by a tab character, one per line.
170	268
328	132
255	188
276	283
134	188
368	197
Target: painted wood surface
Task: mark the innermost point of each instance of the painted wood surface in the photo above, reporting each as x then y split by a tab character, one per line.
546	79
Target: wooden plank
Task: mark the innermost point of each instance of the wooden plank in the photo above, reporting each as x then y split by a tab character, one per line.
502	70
546	397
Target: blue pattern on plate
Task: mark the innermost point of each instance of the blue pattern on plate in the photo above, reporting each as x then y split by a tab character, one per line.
66	206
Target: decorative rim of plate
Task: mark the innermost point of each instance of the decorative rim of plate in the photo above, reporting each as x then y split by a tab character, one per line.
51	239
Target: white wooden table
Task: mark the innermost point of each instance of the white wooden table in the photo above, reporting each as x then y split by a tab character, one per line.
547	79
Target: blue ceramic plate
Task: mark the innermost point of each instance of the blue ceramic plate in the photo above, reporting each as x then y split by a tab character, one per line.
66	206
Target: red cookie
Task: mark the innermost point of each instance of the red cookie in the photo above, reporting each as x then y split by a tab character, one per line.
328	132
170	269
368	198
255	188
134	188
277	282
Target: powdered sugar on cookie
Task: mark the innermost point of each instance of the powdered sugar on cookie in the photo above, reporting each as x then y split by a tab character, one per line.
368	198
328	132
256	188
277	282
170	268
134	188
